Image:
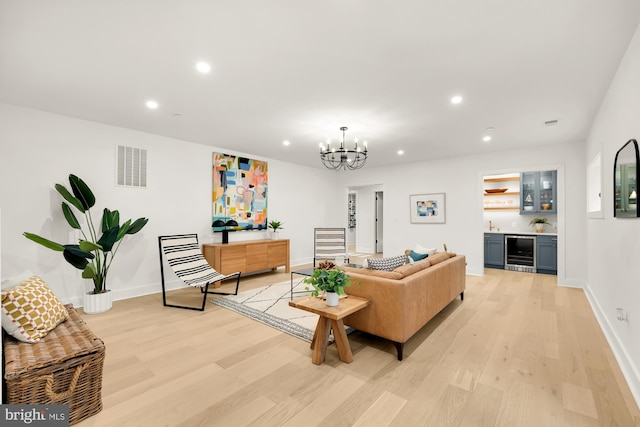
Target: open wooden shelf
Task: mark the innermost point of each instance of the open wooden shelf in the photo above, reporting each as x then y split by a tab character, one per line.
502	209
506	193
509	178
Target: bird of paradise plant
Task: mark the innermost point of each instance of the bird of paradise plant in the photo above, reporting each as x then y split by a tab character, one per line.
94	253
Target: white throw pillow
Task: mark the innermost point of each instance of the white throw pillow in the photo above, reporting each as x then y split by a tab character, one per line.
13	281
421	250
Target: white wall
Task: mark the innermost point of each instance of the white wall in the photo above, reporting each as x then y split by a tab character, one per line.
460	179
613	267
40	149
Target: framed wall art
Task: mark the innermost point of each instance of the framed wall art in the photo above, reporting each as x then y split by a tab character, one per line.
427	208
239	192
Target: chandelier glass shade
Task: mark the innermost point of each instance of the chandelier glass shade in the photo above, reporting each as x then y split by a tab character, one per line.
337	158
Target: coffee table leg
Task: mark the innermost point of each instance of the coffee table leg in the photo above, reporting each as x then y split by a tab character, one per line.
291	287
342	342
320	340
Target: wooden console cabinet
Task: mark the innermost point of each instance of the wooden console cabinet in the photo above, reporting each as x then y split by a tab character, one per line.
247	257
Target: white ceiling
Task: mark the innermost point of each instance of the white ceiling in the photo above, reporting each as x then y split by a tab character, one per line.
298	70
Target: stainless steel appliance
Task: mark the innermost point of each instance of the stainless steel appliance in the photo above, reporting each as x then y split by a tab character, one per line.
520	253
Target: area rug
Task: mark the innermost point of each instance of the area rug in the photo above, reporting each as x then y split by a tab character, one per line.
270	305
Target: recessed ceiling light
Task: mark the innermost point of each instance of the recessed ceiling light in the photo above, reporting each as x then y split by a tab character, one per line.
490	128
486	138
400	152
456	99
203	67
285	142
151	104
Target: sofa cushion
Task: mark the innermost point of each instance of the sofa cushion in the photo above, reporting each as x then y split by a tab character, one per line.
438	257
375	273
388	264
30	310
409	269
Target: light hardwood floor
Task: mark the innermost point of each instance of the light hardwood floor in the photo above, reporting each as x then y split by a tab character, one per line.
518	351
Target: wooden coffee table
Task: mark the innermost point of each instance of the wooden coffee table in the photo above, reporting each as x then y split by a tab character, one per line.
330	318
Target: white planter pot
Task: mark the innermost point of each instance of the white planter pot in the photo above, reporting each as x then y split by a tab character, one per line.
275	235
332	299
97	303
539	228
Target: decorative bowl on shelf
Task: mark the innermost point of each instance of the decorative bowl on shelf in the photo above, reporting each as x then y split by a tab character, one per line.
495	190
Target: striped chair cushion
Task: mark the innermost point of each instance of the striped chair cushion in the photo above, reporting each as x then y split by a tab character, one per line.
330	243
185	258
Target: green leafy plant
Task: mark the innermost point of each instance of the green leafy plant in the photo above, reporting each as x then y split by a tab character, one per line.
93	254
275	225
539	221
334	280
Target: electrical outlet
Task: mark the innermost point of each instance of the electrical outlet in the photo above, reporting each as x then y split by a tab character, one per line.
622	316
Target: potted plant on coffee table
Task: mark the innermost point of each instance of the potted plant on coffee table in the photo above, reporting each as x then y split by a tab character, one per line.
539	223
94	253
329	280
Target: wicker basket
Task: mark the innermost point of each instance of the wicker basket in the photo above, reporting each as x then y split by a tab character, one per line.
64	368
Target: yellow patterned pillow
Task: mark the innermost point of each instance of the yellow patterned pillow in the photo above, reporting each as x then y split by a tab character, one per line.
30	310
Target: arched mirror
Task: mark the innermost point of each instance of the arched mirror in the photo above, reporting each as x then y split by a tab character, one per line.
625	180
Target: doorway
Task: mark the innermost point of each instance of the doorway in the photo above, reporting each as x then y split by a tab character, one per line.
365	232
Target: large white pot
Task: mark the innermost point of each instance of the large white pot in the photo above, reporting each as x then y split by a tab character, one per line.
97	303
539	228
275	235
332	299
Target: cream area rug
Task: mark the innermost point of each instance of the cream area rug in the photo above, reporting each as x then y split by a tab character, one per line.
270	305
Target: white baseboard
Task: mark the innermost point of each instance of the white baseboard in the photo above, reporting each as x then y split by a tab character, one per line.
629	370
475	272
571	283
139	291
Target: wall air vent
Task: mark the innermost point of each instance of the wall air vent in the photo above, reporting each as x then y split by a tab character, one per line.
551	123
131	167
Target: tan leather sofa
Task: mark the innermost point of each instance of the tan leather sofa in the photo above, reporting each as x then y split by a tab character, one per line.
405	299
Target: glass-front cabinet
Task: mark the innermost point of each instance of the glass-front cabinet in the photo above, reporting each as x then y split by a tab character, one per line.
538	192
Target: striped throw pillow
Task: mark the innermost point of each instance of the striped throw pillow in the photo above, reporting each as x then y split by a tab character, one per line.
387	264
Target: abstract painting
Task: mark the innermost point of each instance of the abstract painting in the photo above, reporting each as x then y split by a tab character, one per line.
240	191
427	208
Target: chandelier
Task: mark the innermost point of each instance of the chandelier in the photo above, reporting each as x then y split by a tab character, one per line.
341	157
